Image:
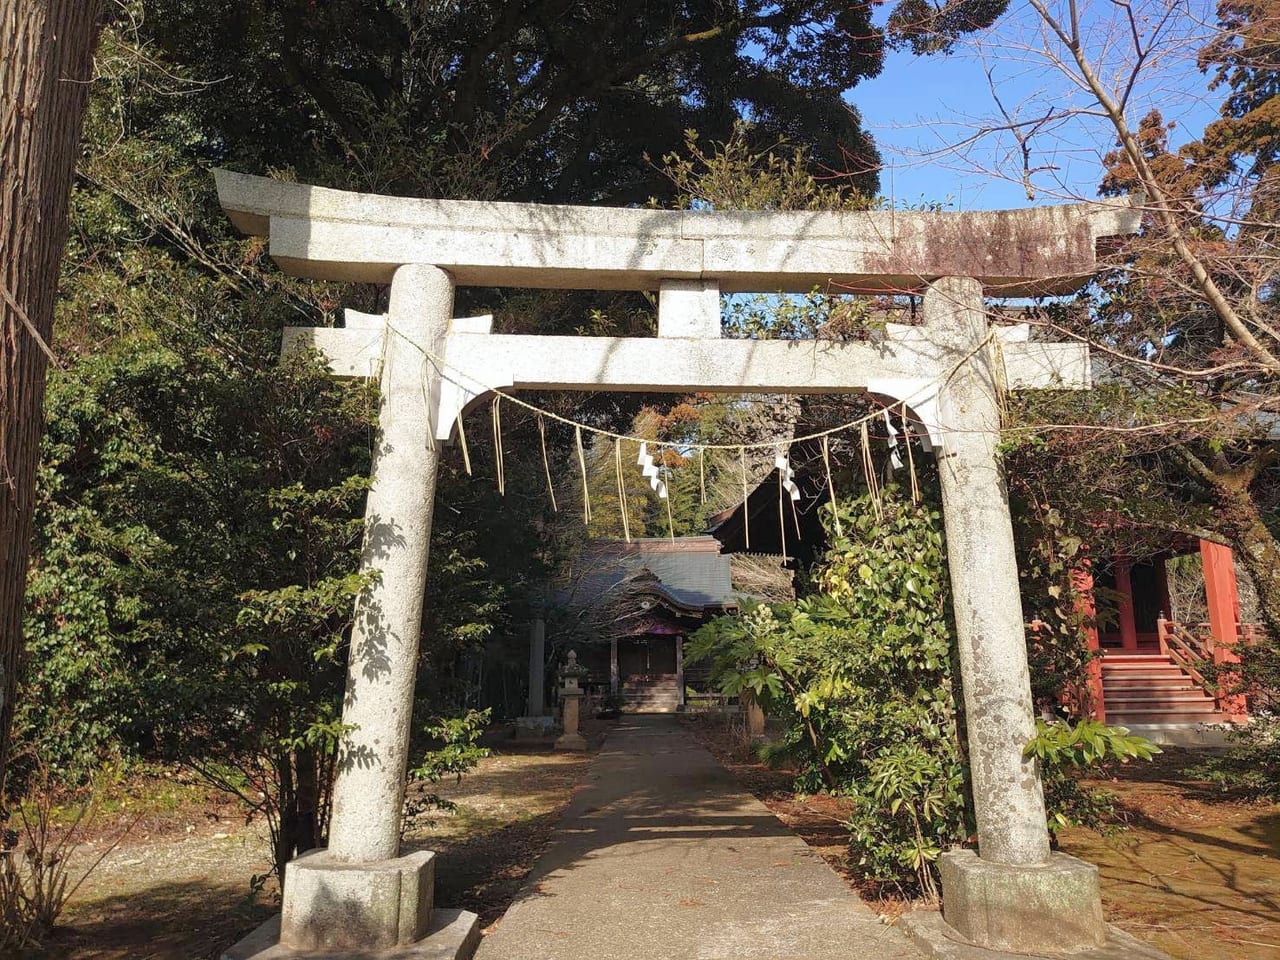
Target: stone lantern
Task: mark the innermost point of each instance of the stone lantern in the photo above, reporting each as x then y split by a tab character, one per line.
571	696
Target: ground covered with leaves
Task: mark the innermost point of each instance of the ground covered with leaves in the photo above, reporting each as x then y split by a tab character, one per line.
179	883
1191	870
1195	872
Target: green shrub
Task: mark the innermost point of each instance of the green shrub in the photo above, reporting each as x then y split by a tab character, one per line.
454	750
1067	751
1252	764
862	672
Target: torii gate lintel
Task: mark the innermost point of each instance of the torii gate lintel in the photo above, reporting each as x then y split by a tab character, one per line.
902	365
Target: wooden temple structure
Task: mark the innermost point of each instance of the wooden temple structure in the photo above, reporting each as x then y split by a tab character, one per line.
636	603
1150	672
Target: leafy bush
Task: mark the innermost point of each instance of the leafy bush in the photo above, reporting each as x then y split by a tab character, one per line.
863	672
1252	765
1065	751
455	750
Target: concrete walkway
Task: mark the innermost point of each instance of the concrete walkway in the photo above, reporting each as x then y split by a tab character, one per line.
662	855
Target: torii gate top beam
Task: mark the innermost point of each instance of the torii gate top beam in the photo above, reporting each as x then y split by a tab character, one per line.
338	235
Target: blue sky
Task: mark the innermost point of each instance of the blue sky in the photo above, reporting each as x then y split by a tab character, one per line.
918	105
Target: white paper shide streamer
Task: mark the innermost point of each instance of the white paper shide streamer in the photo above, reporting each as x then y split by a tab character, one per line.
895	458
651	471
783	462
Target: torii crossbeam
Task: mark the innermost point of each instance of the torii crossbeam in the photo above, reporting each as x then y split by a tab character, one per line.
1013	895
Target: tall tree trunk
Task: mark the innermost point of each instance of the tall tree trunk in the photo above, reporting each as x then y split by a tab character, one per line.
1255	548
46	63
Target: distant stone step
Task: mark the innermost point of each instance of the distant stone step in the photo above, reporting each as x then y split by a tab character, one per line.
1124	682
1144	670
1193	702
1127	717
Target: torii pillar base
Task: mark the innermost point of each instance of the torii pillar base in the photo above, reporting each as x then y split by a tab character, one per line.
1053	907
334	909
453	935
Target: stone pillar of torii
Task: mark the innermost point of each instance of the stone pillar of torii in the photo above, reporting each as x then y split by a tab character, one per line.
360	893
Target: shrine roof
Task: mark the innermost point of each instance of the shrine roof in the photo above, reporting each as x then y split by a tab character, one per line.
689	571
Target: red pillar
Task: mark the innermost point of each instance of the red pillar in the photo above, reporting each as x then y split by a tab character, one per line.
1223	600
1124	587
1095	704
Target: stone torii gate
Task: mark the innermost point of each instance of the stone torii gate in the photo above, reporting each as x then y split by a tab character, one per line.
361	893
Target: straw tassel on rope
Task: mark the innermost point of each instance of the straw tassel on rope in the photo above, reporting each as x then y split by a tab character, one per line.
582	463
907	432
869	472
425	380
546	463
496	411
795	519
671	520
999	374
622	489
462	442
831	487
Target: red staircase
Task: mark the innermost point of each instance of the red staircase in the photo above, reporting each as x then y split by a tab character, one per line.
1151	688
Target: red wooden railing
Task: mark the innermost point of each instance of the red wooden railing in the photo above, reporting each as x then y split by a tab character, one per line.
1187	650
1193	647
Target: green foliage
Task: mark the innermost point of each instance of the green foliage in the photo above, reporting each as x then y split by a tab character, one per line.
524	101
861	672
932	27
1086	743
1067	751
1051	559
1251	766
212	561
738	174
455	750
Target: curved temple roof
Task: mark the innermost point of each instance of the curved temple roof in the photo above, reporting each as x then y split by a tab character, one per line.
339	235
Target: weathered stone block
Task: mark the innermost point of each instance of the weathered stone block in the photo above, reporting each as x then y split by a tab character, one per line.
689	308
330	904
453	935
937	941
1054	907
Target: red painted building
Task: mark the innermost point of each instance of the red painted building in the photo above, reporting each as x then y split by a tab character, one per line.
1150	672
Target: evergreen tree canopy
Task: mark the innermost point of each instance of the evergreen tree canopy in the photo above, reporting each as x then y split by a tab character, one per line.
521	99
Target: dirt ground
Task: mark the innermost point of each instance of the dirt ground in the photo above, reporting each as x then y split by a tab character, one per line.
1195	873
178	886
1192	871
